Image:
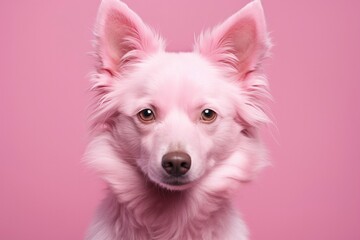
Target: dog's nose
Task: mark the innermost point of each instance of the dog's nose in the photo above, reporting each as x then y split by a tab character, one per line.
176	164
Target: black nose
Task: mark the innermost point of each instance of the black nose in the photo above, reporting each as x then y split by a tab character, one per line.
176	164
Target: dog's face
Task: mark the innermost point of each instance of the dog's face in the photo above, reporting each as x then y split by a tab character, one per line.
181	117
186	108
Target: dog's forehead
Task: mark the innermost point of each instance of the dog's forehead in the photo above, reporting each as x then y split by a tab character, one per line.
181	75
169	81
181	66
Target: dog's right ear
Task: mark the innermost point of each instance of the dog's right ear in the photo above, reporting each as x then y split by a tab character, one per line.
122	37
240	43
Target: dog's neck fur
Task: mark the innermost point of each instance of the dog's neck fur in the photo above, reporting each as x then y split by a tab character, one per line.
161	214
137	208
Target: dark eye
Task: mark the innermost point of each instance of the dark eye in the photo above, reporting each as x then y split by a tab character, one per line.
146	115
208	116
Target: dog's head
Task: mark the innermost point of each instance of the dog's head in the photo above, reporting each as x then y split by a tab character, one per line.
182	118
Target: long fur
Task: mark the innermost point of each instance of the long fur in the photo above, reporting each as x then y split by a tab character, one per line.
134	72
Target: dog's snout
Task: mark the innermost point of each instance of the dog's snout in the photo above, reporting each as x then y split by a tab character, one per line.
176	164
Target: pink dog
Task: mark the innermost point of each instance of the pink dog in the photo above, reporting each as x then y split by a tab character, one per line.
176	133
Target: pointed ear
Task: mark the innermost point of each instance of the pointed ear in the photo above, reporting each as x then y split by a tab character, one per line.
240	43
122	37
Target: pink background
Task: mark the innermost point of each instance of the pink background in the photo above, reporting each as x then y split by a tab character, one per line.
311	192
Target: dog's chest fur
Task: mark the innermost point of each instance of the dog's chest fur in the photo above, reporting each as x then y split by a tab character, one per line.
159	214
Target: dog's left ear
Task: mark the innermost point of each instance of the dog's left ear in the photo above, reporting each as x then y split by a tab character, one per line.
240	43
122	37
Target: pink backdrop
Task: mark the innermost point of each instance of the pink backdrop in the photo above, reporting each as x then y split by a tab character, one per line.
311	192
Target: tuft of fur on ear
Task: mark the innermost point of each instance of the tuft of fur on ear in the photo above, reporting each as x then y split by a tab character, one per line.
240	43
122	39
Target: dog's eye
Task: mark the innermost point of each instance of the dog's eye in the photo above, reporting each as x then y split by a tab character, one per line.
146	115
208	116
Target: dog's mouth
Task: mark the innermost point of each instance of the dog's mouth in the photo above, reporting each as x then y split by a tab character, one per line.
176	183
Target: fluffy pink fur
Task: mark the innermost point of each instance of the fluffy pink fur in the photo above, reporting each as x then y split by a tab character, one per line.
134	72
